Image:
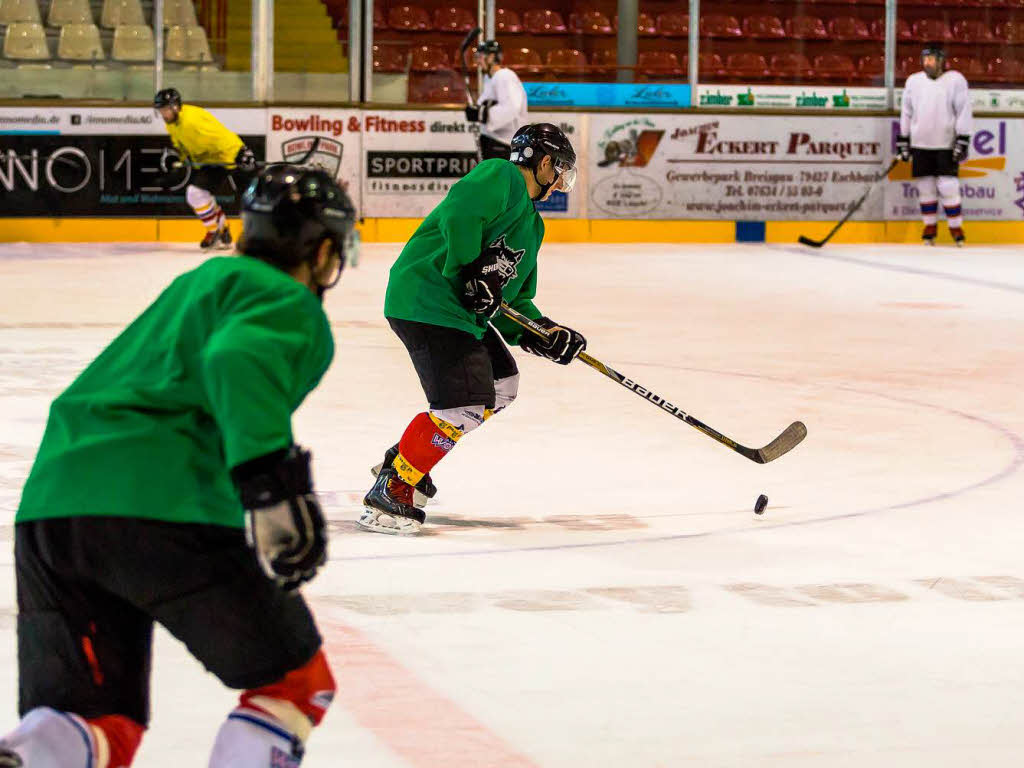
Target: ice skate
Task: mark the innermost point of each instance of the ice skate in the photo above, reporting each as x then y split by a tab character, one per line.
425	489
929	233
389	506
224	242
210	240
958	236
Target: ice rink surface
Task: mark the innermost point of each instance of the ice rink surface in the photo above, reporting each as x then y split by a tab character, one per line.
593	587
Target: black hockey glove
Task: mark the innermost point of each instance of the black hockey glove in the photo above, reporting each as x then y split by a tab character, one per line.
283	521
477	113
562	345
903	147
245	160
960	148
481	289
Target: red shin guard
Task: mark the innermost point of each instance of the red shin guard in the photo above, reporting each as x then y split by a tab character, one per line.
123	737
309	688
422	446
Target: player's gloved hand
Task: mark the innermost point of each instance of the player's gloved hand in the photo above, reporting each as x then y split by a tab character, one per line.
283	521
960	148
477	113
245	159
481	289
562	344
903	147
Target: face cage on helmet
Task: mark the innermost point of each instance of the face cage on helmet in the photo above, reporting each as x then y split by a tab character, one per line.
566	178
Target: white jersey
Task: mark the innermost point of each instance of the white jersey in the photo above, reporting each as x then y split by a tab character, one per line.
507	113
935	111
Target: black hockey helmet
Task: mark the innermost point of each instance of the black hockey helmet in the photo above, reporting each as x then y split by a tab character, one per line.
531	142
288	210
934	49
168	97
485	47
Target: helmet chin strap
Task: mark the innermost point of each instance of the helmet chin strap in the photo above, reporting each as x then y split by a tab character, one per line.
543	187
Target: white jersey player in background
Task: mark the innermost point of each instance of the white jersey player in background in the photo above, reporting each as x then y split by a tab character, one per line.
935	133
501	108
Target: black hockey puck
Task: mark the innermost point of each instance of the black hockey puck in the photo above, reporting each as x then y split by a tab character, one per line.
760	504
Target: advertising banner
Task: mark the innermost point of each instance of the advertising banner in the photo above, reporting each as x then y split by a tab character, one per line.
733	167
790	97
291	133
635	95
101	162
413	157
991	178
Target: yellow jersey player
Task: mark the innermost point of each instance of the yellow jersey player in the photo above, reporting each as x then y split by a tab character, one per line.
202	141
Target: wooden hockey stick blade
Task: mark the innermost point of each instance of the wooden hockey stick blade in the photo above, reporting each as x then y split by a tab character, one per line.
804	240
790	438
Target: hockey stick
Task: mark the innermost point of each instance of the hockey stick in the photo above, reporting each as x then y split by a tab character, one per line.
853	209
260	164
472	35
789	439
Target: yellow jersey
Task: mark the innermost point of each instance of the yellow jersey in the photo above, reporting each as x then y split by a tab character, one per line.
202	138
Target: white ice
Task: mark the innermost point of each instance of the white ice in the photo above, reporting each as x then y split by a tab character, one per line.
593	588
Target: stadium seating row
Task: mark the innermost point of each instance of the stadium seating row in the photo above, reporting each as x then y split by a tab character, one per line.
26	43
411	18
114	13
668	65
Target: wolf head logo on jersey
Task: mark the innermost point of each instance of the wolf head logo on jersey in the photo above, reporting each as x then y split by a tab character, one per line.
508	259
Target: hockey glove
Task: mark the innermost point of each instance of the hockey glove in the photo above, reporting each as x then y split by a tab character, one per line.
562	344
477	113
245	160
903	147
481	289
960	148
283	521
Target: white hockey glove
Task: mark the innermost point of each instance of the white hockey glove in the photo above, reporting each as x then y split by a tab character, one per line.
284	524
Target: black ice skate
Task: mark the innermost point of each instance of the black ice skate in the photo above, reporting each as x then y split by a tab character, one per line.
389	506
9	760
929	233
958	236
210	240
224	238
425	488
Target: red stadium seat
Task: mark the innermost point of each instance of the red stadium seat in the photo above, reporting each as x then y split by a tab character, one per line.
674	24
507	22
711	64
903	31
719	25
603	61
1002	70
968	66
442	87
379	20
567	61
659	64
452	18
806	28
751	65
848	28
389	58
763	27
1010	32
645	25
790	65
871	66
590	23
927	30
408	18
834	66
428	58
543	22
972	32
524	61
907	66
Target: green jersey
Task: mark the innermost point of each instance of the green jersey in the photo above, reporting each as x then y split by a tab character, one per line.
489	208
206	378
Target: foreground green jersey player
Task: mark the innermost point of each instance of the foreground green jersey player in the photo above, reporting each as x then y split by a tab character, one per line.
476	249
168	489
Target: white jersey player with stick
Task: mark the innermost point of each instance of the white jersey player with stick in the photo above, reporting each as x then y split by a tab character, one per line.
501	108
935	133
